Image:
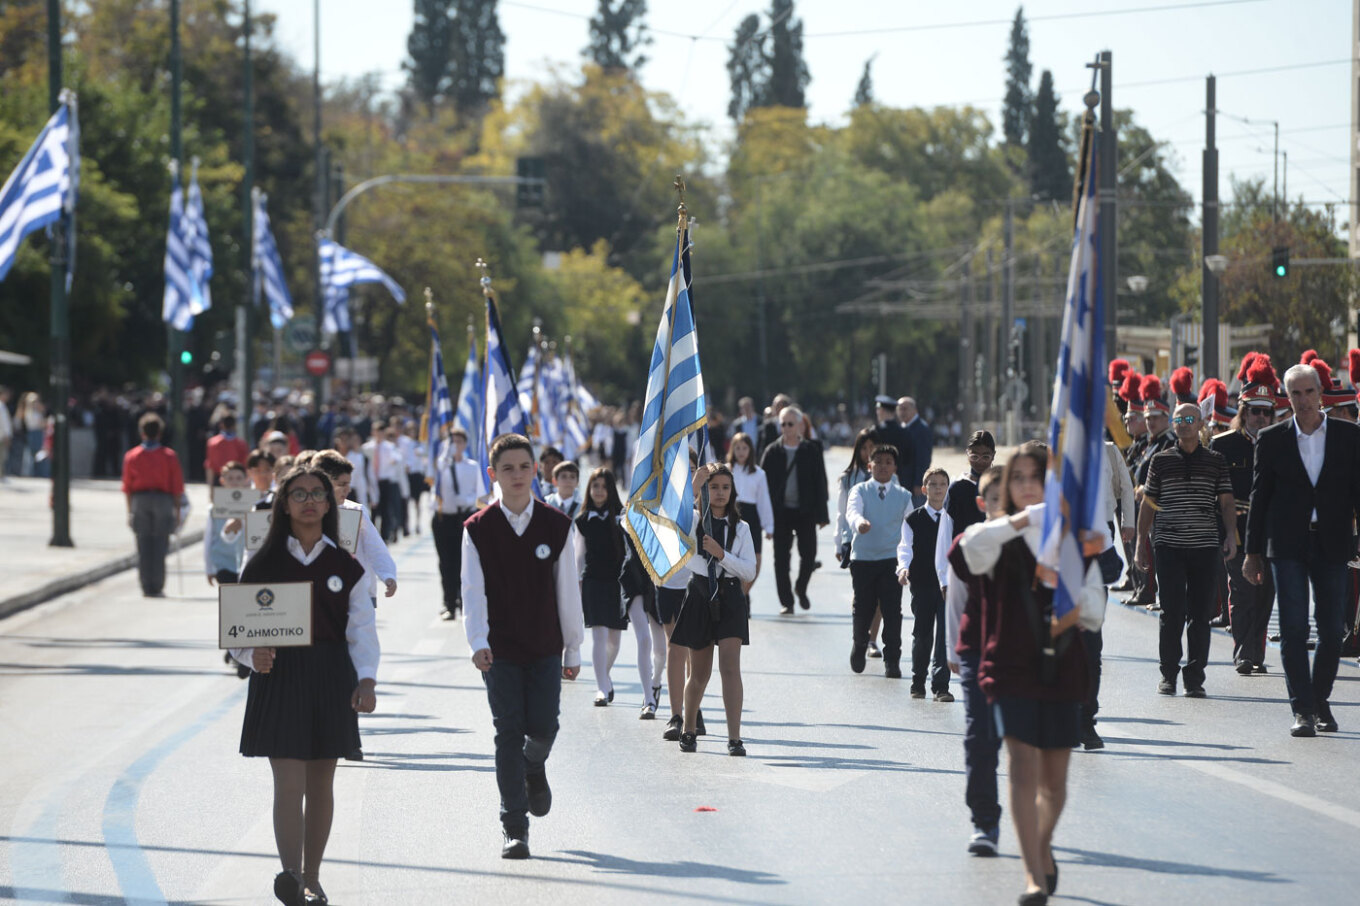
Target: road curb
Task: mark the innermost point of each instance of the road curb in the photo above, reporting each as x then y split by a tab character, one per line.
68	584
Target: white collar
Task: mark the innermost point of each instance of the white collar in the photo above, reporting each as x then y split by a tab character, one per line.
306	559
519	518
934	512
1298	432
885	485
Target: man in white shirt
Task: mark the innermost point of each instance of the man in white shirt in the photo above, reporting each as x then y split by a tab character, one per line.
525	625
387	466
457	487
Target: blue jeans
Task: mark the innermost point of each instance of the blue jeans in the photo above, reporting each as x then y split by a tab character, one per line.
1292	578
981	748
524	702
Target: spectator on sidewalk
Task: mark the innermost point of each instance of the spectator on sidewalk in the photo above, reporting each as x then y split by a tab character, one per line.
153	484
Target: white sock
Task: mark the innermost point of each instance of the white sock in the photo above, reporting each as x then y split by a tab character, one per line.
599	658
642	631
660	648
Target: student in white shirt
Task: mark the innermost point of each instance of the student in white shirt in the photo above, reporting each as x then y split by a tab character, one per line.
753	494
566	478
458	485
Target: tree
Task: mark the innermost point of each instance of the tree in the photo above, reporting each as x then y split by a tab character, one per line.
864	92
478	56
1050	171
746	68
1015	112
788	71
616	33
430	46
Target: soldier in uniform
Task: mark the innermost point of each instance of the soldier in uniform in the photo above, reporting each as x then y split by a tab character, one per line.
1249	606
1130	391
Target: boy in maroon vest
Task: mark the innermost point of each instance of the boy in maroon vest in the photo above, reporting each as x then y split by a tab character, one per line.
524	623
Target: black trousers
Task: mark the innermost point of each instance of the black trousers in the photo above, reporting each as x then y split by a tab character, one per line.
876	587
447	529
1249	608
1094	643
787	523
153	522
927	640
1185	581
389	510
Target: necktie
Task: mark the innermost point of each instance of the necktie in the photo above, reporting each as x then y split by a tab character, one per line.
453	470
882	493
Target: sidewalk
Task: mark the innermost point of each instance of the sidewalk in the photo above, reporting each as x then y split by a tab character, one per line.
104	545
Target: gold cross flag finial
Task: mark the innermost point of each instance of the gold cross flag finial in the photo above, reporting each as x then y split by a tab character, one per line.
486	276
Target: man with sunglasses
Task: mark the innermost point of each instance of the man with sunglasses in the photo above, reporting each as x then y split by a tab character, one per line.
1187	492
796	473
1249	606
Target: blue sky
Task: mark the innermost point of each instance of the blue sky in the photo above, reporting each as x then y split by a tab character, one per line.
945	53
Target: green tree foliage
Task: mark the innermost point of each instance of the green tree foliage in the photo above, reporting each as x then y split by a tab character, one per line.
1050	170
430	46
618	35
864	91
747	69
478	58
766	68
1018	104
788	71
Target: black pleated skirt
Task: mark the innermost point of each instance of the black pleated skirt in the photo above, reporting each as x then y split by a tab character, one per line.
301	708
602	601
695	627
751	516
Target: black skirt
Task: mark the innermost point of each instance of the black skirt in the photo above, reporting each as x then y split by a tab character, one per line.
602	601
751	516
1042	724
301	708
668	601
695	628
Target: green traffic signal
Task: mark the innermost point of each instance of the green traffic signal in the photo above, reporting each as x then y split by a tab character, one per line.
1281	270
186	357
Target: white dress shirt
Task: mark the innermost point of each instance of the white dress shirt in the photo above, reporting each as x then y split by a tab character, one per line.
1312	448
739	558
361	632
955	602
370	551
361	477
751	487
904	546
470	486
569	505
476	622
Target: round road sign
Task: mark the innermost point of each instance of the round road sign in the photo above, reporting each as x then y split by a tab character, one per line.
318	363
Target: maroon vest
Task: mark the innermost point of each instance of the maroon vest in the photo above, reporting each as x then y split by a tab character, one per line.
330	608
521	593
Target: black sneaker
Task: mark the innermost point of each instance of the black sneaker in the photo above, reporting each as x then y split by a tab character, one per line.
1091	740
1259	670
1166	687
918	691
892	670
857	658
803	601
734	747
689	742
873	649
540	794
516	847
1195	692
673	728
1244	668
1325	722
786	610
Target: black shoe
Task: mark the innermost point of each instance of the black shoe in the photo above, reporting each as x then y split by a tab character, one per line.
673	728
515	847
699	728
1053	878
648	712
944	695
1154	607
1303	726
288	888
1166	687
242	671
803	601
356	755
656	693
1037	898
873	649
786	610
1244	668
1325	722
1090	740
918	691
857	658
540	794
689	742
316	897
734	747
448	615
1259	670
601	700
1195	692
1220	622
892	670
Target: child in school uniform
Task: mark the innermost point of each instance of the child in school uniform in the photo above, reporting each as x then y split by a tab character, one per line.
303	703
920	531
645	618
223	554
567	497
874	514
599	561
522	611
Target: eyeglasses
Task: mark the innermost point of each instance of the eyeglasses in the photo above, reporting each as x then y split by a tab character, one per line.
298	495
788	424
1259	411
1184	420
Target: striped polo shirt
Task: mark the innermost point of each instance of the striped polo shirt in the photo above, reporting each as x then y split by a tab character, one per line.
1183	488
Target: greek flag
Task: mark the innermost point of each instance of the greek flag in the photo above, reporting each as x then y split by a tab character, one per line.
438	405
188	257
470	404
660	512
526	388
573	419
1073	491
44	185
341	269
503	413
267	266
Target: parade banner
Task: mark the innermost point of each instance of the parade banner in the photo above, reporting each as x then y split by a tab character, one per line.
233	503
259	615
257	526
350	523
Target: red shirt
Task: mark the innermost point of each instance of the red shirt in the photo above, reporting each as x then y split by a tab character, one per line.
222	450
152	469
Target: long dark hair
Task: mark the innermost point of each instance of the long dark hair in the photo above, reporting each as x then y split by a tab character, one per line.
733	517
745	438
1034	451
612	505
864	437
281	524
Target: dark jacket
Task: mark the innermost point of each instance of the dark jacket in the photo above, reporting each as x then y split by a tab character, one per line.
1283	499
811	478
895	433
922	445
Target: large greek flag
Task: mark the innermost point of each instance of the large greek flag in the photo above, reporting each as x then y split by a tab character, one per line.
660	512
527	390
438	405
1073	491
267	266
575	430
503	413
188	256
341	269
468	416
43	186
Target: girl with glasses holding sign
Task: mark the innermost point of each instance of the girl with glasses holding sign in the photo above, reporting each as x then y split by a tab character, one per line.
303	703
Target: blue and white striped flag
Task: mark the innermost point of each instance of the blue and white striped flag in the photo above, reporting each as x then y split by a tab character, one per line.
268	266
503	413
188	256
44	185
660	512
341	269
200	249
576	433
526	388
438	405
1074	510
468	415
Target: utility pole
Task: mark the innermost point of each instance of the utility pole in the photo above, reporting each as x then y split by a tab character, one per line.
175	336
1109	169
967	348
244	364
988	383
1208	358
319	193
760	295
1007	325
60	333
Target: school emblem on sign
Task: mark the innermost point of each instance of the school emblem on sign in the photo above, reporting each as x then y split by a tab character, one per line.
542	552
264	597
334	583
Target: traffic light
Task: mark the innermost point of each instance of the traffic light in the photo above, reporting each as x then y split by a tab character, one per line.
873	371
186	357
1191	356
1279	261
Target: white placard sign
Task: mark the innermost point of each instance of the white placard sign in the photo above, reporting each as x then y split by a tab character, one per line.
233	503
257	526
350	522
264	615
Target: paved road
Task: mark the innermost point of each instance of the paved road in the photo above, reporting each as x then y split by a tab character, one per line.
122	782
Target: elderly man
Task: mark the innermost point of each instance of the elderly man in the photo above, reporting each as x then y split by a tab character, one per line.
893	433
1187	491
1305	498
796	474
922	443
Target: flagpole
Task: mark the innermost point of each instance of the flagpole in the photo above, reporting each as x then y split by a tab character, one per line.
244	365
60	367
174	338
429	382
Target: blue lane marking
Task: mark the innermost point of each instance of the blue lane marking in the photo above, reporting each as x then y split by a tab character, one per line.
35	863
